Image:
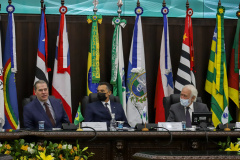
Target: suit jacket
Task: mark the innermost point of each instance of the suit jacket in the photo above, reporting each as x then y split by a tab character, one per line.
96	112
177	111
34	112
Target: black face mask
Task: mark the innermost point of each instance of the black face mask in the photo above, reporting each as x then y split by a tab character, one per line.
102	96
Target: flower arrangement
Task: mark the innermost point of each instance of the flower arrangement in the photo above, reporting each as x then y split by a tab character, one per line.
21	150
229	146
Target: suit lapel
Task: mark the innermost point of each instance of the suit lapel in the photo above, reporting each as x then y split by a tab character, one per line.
113	108
195	108
41	110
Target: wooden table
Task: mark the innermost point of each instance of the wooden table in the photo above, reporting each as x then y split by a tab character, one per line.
123	145
186	155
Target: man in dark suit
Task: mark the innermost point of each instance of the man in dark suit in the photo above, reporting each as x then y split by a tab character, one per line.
43	108
100	111
183	110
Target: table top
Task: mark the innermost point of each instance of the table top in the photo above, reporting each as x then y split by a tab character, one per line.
186	155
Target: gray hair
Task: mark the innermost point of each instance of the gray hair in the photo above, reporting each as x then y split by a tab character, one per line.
193	90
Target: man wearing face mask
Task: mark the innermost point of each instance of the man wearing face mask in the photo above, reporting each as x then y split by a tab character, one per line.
101	110
183	111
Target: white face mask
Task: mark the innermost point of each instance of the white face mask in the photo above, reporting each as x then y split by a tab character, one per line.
184	102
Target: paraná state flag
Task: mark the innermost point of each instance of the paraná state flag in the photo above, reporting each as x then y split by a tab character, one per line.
117	72
185	73
10	68
217	82
164	86
61	85
136	75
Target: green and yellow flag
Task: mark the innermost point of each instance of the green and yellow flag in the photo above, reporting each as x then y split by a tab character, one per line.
216	82
93	66
78	118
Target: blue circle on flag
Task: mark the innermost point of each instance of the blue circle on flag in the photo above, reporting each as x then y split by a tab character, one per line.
225	115
139	10
165	10
10	8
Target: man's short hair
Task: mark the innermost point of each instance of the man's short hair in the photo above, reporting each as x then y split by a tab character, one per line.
109	86
39	82
193	90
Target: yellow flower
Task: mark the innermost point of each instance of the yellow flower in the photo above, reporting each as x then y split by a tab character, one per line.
76	158
75	148
233	148
7	152
7	146
40	148
44	157
71	152
23	158
59	146
25	148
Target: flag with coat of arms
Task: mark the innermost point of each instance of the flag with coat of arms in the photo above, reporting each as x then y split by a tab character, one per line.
136	75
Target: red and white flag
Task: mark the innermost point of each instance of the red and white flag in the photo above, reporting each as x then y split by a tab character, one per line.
164	86
61	85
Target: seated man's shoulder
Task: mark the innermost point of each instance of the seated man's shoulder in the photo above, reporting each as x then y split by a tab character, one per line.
175	105
30	104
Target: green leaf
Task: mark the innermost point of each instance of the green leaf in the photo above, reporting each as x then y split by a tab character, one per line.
84	149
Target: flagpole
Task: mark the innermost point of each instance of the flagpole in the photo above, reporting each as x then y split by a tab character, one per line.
138	3
95	3
219	3
119	7
42	1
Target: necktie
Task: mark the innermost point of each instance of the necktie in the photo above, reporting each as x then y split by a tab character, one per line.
49	114
106	106
188	120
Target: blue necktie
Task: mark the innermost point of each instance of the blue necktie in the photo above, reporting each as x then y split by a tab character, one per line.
106	106
188	120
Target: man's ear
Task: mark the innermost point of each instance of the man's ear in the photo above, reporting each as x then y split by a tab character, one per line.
193	98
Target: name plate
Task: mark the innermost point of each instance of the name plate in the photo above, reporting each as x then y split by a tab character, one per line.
237	125
98	126
171	126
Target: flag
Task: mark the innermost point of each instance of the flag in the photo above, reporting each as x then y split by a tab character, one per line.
2	115
9	70
144	115
216	82
93	72
78	118
136	75
61	85
164	86
117	73
42	53
233	77
185	73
